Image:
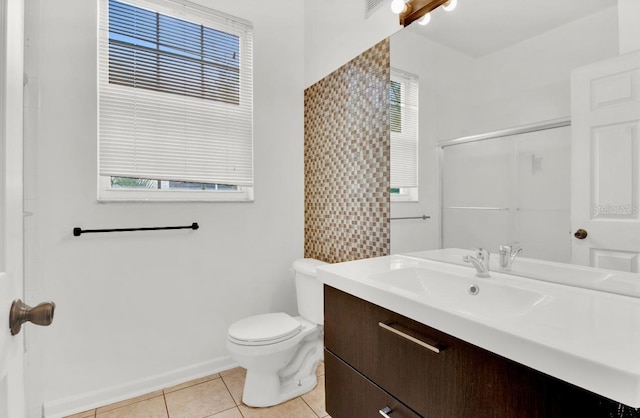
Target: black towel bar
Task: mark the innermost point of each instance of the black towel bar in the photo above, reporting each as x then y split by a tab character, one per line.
79	231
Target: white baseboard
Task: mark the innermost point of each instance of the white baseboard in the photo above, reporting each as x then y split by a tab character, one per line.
95	399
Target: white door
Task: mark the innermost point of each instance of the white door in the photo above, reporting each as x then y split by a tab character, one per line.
11	218
605	177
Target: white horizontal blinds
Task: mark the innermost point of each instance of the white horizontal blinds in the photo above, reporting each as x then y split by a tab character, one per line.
176	93
403	98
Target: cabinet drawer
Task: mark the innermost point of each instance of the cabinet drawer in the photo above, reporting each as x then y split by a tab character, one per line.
351	395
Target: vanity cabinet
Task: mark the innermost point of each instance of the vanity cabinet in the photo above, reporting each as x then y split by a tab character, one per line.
376	358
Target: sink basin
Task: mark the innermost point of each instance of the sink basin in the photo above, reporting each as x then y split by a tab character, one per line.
461	292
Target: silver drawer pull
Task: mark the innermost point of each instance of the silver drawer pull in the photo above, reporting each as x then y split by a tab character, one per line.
385	412
433	348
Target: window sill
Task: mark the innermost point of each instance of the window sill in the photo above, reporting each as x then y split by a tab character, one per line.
111	196
400	199
409	194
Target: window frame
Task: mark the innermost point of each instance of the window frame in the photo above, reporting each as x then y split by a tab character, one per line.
406	194
106	193
190	12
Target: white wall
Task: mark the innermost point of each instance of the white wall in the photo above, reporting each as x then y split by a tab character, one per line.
438	69
138	311
460	96
629	16
336	31
530	81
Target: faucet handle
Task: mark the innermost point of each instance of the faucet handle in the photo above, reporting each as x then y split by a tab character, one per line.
508	253
481	253
511	248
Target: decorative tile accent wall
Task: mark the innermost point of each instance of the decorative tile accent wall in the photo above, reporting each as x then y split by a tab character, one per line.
346	160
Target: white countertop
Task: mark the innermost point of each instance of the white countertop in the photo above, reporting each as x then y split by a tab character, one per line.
586	337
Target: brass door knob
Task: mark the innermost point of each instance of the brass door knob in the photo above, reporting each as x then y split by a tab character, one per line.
21	313
580	234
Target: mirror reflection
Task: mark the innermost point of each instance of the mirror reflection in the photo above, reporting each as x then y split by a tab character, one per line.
494	115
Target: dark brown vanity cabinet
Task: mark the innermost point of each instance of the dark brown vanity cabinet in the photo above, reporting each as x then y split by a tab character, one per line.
378	359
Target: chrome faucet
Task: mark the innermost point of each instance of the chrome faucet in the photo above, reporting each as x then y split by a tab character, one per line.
508	253
480	262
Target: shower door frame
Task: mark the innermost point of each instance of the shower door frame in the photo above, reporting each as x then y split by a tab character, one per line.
517	130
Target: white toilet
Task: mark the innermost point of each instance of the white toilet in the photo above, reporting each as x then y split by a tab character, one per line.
281	352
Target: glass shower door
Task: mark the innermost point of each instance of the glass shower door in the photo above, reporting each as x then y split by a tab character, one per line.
509	189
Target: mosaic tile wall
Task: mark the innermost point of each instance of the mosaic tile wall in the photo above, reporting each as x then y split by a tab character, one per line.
346	160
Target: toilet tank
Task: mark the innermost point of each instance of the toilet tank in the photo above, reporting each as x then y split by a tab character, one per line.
309	290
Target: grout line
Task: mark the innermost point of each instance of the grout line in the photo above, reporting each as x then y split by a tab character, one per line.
310	407
235	407
166	407
230	394
240	410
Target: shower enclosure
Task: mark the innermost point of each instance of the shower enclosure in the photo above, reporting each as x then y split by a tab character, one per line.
509	186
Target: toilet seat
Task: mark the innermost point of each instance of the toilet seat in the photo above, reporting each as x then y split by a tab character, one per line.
264	329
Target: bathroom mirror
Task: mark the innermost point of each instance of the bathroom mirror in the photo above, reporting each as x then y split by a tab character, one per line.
494	112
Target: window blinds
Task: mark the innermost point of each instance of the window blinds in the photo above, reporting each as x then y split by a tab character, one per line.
175	93
403	96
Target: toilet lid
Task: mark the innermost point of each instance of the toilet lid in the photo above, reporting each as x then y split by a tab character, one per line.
264	329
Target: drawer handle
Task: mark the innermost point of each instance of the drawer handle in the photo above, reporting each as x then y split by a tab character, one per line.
431	347
385	412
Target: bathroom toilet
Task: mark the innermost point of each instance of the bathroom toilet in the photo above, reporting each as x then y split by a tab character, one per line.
281	352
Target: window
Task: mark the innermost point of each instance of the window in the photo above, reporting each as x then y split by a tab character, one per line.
175	103
395	106
403	111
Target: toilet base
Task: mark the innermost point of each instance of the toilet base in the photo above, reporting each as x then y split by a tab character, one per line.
262	389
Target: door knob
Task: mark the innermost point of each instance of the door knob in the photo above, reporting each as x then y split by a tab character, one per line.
580	234
21	313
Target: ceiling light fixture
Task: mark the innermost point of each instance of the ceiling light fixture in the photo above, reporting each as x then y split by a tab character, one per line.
418	10
424	19
450	5
398	6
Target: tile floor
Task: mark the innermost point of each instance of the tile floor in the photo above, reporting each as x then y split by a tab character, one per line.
215	396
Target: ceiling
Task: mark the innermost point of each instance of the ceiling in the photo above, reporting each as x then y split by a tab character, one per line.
480	27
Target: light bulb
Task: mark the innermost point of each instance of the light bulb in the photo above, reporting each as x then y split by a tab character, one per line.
397	6
424	19
450	5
